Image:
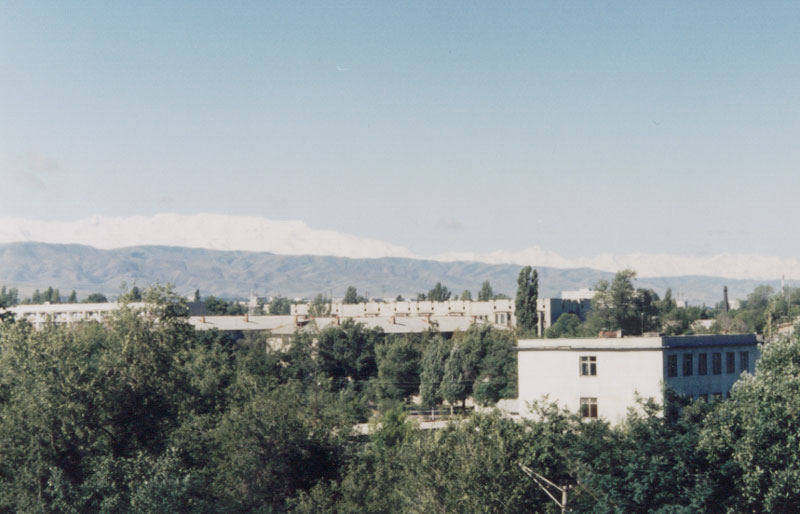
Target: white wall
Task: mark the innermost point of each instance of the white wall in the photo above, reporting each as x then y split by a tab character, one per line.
619	374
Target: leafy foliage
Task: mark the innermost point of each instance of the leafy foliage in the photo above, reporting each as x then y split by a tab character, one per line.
525	303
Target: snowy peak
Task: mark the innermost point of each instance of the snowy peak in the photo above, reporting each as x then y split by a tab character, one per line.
209	231
250	233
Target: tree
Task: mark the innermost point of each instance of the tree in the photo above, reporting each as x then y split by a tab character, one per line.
320	307
96	298
567	325
618	305
466	296
346	354
351	296
278	443
497	371
486	293
439	293
433	361
399	364
279	305
221	307
753	439
73	297
527	294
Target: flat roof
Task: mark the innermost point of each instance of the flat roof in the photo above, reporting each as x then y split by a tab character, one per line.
644	343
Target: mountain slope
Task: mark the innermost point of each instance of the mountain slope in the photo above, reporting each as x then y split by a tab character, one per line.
236	273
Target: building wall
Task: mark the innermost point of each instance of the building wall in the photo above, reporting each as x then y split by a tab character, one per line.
620	375
696	385
493	311
550	309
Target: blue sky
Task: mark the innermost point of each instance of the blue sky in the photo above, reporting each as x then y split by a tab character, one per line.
579	127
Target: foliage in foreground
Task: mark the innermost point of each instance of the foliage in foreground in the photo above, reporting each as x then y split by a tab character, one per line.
146	415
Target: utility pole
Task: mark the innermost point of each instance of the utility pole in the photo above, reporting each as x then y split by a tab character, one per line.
543	483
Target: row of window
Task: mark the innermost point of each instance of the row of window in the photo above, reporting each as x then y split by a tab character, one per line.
688	366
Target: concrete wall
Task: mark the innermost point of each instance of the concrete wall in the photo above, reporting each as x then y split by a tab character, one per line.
494	311
627	366
695	385
621	373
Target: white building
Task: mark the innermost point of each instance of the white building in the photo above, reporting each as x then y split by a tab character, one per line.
500	312
66	313
600	377
578	295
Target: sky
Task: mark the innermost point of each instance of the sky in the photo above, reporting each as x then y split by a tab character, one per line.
443	127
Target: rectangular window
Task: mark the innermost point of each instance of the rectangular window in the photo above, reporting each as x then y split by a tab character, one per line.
744	361
672	365
588	407
730	362
716	363
688	364
588	366
702	364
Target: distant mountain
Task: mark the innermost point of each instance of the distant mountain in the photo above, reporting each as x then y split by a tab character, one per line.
294	237
234	274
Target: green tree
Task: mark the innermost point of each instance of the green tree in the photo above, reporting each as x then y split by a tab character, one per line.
466	296
439	293
497	371
399	364
346	354
753	438
279	305
525	303
567	325
96	298
351	296
486	293
73	297
434	358
221	307
618	305
320	307
275	445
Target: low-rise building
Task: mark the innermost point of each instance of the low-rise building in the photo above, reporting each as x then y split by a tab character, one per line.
602	377
500	312
66	313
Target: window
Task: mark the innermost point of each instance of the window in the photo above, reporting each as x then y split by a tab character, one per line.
588	407
730	362
672	365
588	366
702	364
716	363
688	364
744	361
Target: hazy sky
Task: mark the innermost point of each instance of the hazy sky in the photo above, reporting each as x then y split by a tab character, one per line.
579	127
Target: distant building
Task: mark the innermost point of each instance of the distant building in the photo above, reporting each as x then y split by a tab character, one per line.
600	378
66	313
550	309
580	294
500	312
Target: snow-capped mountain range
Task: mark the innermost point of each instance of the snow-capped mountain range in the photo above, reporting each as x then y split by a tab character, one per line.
248	233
